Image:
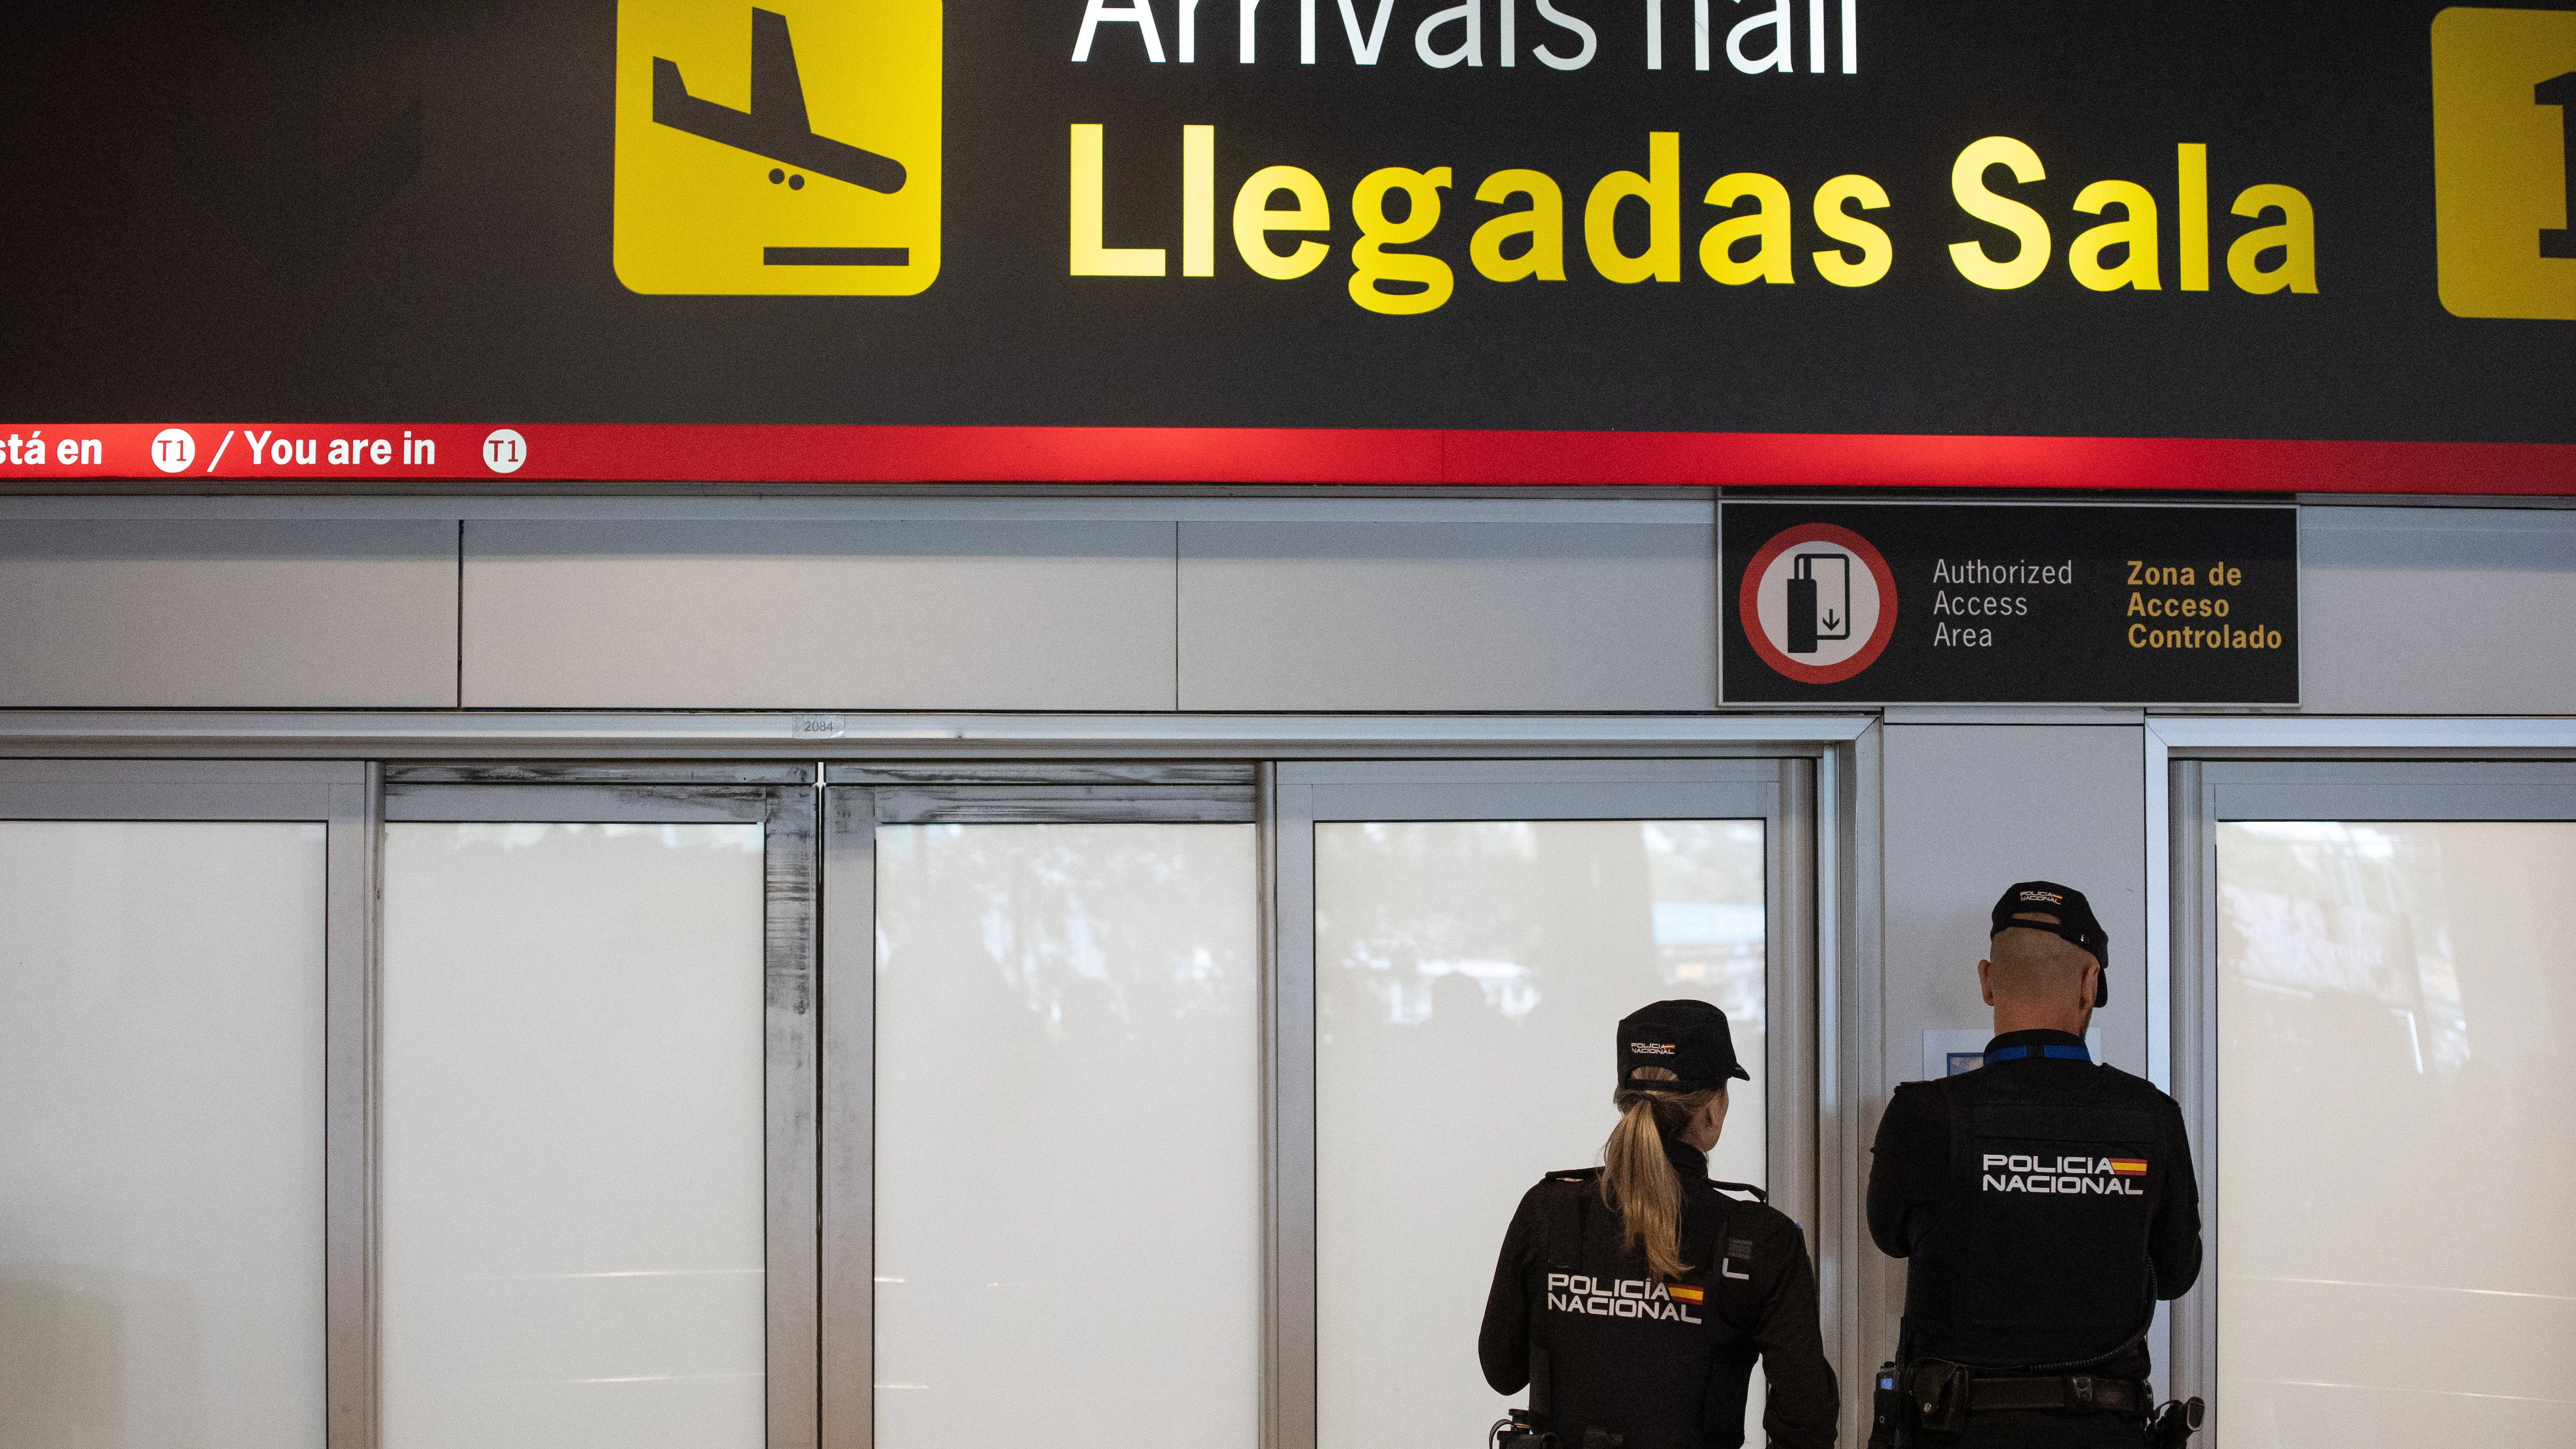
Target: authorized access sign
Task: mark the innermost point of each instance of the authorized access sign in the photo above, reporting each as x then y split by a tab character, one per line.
2040	604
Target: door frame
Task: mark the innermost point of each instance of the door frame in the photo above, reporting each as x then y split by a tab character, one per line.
782	800
1780	791
652	749
858	798
344	798
2200	771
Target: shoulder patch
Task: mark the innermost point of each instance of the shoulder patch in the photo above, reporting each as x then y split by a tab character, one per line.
1725	1189
1739	1255
1758	1221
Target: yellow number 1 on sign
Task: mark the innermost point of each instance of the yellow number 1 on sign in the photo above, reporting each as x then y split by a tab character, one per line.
2504	161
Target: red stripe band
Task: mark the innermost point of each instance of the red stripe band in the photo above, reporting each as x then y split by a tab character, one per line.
868	454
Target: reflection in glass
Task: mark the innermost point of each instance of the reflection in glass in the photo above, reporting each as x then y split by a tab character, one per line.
2397	1133
1068	1137
572	1189
1469	976
161	1135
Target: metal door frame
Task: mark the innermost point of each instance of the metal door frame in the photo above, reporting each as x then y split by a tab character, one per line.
1066	764
857	798
342	797
782	800
2428	783
1780	791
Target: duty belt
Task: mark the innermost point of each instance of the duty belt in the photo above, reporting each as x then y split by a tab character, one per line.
1944	1394
1930	1403
2065	1391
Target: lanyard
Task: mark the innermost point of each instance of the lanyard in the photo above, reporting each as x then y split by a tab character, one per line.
2057	1053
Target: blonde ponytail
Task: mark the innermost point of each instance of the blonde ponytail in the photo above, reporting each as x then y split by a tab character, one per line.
1638	1180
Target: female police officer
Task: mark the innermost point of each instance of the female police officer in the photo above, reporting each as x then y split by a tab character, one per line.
1633	1298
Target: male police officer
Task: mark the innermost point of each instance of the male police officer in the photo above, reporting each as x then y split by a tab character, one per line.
2045	1203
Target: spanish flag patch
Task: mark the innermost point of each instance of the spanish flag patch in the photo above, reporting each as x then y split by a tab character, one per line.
1683	1293
2129	1166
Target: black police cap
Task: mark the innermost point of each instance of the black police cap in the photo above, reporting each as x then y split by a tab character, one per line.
2074	923
1686	1038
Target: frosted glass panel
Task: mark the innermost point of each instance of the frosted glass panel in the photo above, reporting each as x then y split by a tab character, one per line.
161	1135
1068	1137
572	1165
1469	977
2397	1134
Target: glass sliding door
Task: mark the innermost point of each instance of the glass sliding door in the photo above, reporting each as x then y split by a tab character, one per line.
935	1107
1060	1213
1477	932
596	1069
163	1102
2389	983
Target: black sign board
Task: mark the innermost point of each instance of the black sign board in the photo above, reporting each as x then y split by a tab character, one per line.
1996	217
1899	603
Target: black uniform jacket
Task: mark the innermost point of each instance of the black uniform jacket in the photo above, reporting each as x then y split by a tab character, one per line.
2044	1203
1575	1315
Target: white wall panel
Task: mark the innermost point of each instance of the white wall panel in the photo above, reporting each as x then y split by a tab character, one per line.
225	613
752	615
1966	811
2437	610
1518	616
1471	603
161	1100
1971	809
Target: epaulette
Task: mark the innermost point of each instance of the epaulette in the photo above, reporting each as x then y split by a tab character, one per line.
1572	1174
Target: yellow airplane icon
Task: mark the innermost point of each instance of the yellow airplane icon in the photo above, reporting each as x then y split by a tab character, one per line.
777	195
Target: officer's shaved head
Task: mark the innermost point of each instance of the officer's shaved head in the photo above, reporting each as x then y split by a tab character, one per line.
2034	965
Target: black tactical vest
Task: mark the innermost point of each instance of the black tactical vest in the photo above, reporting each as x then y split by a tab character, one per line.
2038	1252
1659	1364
